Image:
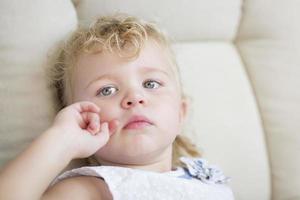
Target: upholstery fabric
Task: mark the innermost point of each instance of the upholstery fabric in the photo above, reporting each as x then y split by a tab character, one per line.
269	44
199	20
240	67
224	119
29	29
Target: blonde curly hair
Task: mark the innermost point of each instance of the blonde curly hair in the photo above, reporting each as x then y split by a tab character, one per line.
120	34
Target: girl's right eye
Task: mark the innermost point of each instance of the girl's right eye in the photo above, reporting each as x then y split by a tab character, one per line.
107	91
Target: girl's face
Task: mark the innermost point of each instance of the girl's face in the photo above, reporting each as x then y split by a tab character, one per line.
142	94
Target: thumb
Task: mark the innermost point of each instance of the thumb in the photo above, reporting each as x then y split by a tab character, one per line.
113	126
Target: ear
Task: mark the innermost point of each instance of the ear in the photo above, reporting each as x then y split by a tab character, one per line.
184	105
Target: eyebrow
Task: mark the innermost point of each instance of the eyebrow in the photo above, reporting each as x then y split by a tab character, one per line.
104	76
114	77
152	69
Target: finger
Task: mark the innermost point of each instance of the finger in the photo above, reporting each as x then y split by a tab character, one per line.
100	139
86	106
94	123
113	126
91	121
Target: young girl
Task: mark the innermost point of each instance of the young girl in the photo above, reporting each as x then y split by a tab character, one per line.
123	108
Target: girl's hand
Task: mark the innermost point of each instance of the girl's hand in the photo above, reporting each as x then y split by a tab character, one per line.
78	125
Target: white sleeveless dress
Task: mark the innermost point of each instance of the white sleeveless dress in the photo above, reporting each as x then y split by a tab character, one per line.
196	181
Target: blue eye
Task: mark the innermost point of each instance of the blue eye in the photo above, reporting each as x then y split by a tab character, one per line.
107	91
151	84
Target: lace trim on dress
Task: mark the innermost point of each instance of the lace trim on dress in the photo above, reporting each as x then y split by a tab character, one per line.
199	168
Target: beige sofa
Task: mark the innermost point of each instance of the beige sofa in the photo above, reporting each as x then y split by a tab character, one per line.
240	64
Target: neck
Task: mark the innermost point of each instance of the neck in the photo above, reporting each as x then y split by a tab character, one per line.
161	163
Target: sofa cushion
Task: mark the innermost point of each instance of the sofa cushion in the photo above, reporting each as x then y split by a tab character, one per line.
186	20
28	30
224	119
269	43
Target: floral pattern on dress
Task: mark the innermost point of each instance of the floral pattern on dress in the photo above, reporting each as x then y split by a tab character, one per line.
199	168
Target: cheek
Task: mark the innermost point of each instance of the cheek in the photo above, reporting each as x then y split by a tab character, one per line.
169	115
170	105
108	110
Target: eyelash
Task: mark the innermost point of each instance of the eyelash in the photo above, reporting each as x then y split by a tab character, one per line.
116	89
105	87
154	81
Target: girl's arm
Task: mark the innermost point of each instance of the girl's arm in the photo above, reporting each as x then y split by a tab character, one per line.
29	175
74	134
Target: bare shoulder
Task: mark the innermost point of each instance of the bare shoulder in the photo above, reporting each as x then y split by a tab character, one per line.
78	188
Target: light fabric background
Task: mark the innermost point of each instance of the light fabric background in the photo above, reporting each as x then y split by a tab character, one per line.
239	62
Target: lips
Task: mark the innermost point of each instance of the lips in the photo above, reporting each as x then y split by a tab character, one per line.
138	122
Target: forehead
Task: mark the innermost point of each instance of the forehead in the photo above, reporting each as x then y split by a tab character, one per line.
151	56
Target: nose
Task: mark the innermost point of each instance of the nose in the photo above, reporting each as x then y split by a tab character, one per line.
132	100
